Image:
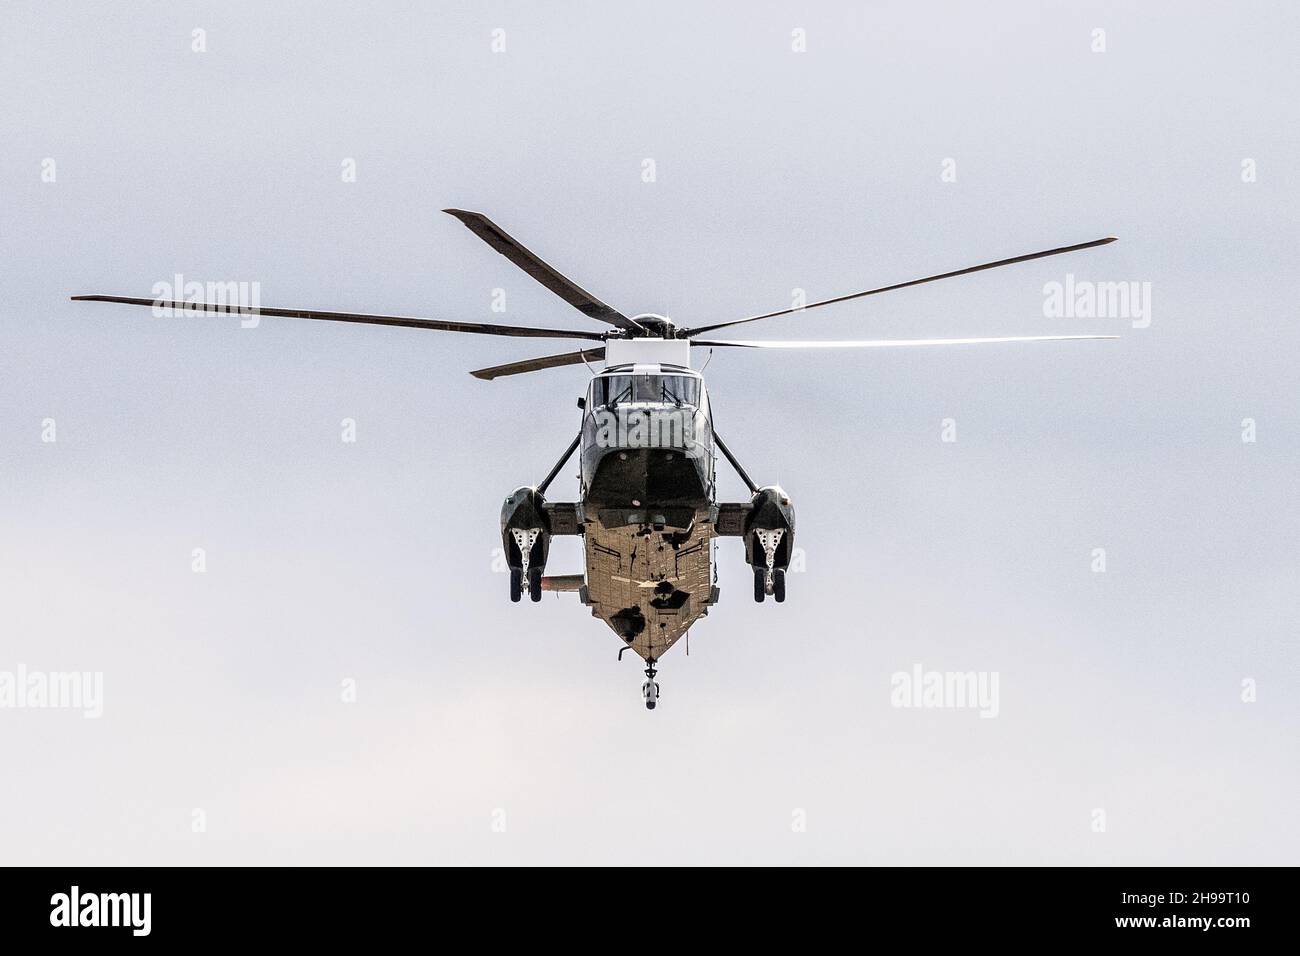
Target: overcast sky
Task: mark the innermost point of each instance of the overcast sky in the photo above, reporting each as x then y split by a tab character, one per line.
488	732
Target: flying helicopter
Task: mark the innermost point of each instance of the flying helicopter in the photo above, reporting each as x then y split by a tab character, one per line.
647	509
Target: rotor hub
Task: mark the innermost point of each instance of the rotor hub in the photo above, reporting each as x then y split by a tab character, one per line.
655	325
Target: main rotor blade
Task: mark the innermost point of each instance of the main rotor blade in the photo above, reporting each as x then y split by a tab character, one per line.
904	285
566	289
891	343
437	325
533	365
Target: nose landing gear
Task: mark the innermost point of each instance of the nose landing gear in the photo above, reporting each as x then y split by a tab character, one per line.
650	688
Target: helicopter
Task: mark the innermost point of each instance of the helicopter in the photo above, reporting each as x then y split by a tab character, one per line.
648	509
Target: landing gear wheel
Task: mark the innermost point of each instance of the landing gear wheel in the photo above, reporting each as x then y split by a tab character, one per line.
535	584
760	584
778	585
516	584
650	689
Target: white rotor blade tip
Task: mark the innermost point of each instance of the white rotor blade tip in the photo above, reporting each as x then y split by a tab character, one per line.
891	343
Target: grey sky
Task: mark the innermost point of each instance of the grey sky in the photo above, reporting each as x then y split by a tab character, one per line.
775	170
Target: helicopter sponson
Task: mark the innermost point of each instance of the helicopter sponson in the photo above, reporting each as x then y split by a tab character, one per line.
526	540
769	540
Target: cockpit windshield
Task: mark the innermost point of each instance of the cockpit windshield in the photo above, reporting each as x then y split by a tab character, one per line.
661	389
